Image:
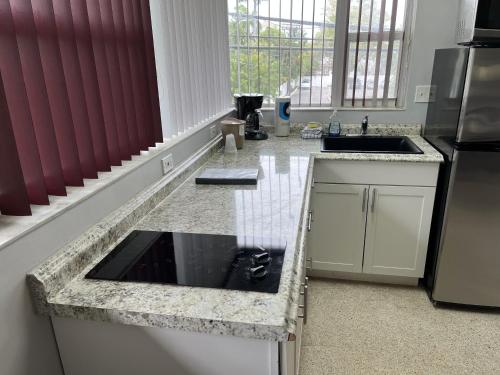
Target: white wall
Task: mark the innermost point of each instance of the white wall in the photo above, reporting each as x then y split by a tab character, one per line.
435	26
27	344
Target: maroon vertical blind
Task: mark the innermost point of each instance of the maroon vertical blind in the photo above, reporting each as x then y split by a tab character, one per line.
38	98
17	103
79	94
13	194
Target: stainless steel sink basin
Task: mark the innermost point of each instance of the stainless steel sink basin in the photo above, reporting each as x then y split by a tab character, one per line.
370	144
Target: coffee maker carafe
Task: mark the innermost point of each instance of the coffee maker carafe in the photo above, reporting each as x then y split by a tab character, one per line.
248	107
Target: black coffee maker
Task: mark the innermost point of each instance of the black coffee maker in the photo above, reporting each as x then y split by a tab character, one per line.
248	107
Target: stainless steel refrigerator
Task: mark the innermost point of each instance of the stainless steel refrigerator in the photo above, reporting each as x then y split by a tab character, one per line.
463	123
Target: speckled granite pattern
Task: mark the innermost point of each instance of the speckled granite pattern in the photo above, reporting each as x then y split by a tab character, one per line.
373	129
53	274
272	208
277	206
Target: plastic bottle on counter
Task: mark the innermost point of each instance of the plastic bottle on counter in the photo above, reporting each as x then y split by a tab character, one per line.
282	116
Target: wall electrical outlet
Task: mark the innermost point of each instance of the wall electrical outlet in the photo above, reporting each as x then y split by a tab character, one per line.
167	163
213	131
425	94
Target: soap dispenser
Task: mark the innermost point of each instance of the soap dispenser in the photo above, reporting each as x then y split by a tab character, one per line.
364	126
334	128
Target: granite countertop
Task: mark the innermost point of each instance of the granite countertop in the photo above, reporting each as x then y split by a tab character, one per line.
276	206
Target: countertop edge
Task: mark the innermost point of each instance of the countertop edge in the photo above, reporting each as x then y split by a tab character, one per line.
293	307
189	324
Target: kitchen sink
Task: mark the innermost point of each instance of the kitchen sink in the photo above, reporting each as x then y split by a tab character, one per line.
370	144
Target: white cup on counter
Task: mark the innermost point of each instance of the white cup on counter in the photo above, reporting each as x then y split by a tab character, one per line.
230	146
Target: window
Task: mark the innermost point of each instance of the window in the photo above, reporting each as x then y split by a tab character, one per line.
86	84
191	50
322	53
78	94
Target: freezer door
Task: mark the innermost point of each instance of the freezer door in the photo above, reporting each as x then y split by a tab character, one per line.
468	268
480	113
448	77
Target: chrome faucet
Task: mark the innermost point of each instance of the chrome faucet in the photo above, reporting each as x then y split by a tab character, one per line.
364	126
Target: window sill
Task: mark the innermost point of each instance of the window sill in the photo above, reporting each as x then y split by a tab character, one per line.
15	227
340	109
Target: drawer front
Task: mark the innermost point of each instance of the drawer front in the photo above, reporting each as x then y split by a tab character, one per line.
375	173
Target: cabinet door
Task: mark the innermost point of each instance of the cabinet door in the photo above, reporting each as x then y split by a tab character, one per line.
338	228
397	230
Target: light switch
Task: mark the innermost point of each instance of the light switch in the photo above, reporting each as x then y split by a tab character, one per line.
167	163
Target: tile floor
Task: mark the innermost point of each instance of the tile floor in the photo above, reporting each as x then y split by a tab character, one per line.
361	328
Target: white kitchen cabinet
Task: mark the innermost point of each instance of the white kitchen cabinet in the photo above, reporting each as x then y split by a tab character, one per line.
290	352
370	229
90	347
397	231
337	234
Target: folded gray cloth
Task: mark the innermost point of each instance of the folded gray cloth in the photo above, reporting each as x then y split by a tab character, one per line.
311	133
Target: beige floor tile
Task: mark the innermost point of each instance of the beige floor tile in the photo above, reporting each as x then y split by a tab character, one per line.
360	328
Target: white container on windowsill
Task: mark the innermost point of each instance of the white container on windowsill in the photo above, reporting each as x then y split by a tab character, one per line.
282	116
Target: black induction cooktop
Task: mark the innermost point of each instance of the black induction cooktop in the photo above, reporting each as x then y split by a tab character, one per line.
201	260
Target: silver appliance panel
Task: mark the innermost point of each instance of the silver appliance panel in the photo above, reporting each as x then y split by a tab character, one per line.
466	21
480	113
448	77
477	21
486	34
468	264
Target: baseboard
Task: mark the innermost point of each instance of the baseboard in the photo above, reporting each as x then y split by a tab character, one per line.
384	279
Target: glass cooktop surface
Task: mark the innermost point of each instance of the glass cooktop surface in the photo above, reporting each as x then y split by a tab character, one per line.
200	260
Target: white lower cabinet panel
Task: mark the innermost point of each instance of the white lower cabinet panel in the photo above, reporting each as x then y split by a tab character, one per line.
290	352
397	232
370	229
98	348
337	236
298	344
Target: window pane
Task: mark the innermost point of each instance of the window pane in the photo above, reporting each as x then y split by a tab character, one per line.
374	52
283	47
286	47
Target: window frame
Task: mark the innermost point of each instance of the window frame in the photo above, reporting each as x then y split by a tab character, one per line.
340	59
402	74
338	100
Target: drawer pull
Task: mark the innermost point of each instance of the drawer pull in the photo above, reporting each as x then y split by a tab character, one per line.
309	220
304	306
310	261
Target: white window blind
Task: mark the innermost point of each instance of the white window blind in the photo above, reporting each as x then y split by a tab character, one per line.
320	52
191	50
376	33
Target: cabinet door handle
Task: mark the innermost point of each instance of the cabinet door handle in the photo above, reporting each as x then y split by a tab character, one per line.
373	199
309	220
365	190
304	306
310	261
